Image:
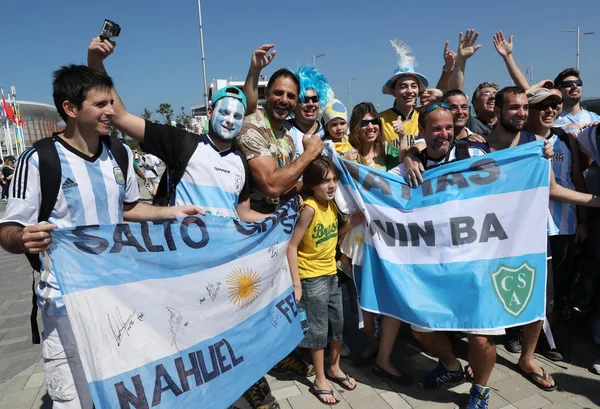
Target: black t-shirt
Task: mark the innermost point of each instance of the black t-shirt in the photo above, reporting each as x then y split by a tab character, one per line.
475	125
6	172
211	170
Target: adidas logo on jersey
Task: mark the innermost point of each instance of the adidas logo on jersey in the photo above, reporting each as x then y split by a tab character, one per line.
68	184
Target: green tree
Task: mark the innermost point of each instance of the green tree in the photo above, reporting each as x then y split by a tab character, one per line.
147	114
166	111
184	119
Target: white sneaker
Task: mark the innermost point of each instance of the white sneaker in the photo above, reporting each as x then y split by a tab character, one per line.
596	366
5	200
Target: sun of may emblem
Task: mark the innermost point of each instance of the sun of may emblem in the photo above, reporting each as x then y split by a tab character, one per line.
244	286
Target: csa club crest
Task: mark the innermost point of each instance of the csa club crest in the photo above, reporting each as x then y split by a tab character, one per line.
514	287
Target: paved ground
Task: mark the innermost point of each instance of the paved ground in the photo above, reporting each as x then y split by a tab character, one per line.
22	386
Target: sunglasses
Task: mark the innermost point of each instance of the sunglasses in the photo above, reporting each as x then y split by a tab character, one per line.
548	103
366	122
307	99
433	107
569	84
488	94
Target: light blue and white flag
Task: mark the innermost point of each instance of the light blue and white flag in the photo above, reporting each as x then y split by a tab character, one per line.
466	250
178	314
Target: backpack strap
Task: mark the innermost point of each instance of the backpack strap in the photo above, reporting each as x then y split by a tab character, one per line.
119	153
171	177
563	136
50	176
462	149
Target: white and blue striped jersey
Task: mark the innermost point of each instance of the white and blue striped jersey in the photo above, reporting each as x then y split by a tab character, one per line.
584	117
588	142
92	191
474	151
214	179
563	218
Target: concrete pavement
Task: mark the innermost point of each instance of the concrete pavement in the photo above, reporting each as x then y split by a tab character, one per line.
22	386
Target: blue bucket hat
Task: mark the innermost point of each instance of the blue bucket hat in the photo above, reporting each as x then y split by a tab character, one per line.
405	67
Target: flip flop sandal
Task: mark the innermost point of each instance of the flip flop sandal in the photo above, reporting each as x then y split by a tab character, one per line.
340	381
533	377
321	392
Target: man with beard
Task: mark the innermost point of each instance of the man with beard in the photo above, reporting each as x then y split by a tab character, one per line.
570	84
264	140
511	110
216	175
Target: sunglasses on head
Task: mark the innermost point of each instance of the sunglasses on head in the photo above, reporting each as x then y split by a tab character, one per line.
548	103
366	122
433	107
307	99
569	84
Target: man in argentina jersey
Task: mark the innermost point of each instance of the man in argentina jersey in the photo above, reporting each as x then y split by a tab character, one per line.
570	84
563	224
216	177
92	191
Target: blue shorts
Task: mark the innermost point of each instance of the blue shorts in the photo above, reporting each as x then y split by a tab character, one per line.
322	299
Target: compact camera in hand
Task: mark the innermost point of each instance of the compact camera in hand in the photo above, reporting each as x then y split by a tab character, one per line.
109	29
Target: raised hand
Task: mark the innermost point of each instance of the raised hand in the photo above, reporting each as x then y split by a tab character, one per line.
504	48
398	126
466	45
261	57
98	50
449	57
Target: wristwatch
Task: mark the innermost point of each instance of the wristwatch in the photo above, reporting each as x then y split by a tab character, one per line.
447	69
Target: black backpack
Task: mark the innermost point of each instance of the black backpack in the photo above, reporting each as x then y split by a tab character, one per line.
50	178
172	175
462	152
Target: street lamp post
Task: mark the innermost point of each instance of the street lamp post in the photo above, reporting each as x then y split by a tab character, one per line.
315	59
203	58
578	36
350	91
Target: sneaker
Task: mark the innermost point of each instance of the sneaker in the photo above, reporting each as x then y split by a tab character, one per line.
596	367
514	345
480	397
5	200
346	352
293	364
259	396
440	376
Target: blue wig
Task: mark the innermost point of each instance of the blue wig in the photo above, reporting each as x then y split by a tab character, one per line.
311	78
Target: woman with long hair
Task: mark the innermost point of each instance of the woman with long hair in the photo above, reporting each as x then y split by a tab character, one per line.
372	150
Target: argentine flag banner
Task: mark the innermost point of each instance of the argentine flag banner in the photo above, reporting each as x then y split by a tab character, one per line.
180	313
466	250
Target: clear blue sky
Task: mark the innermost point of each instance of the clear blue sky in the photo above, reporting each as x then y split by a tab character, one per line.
158	54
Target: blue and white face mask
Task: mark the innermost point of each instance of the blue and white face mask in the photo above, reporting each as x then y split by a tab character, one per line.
227	118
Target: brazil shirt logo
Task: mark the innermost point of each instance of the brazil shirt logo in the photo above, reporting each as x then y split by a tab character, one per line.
321	233
119	176
514	287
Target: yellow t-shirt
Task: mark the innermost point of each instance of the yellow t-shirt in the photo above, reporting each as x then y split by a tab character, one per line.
316	251
411	127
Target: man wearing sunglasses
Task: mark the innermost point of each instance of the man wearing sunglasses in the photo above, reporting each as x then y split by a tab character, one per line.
565	226
570	85
313	95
